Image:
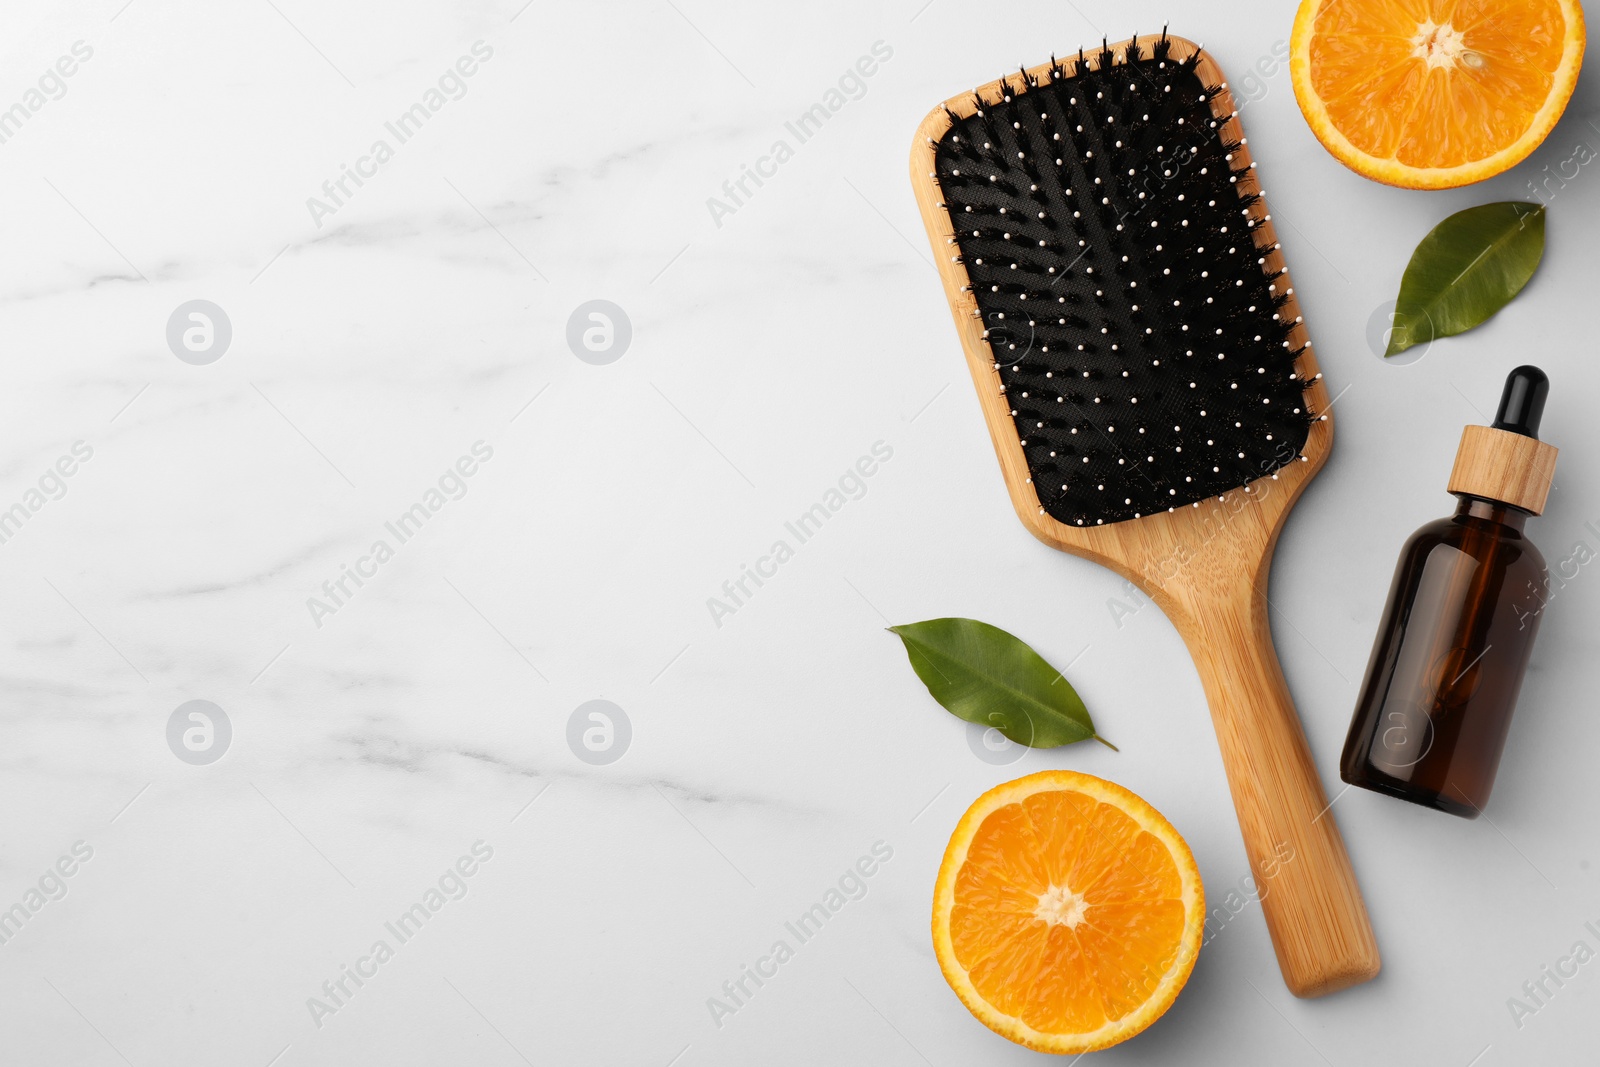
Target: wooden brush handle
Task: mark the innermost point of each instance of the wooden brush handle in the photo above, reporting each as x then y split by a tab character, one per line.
1313	908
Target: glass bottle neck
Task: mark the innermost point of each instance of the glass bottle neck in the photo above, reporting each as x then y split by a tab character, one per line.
1476	507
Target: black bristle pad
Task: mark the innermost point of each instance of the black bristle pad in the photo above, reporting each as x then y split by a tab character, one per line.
1134	320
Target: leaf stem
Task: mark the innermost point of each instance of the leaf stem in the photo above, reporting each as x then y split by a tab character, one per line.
1106	743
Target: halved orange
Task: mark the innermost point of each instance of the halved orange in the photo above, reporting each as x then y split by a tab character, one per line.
1432	94
1068	912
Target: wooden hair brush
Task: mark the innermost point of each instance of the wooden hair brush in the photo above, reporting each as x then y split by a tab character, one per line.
1144	370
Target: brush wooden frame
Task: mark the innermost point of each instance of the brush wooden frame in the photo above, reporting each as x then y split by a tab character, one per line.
1206	565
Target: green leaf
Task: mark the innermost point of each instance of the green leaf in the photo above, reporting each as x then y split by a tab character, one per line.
984	675
1466	269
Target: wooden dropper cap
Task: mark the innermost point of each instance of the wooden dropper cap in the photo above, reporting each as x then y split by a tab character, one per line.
1507	462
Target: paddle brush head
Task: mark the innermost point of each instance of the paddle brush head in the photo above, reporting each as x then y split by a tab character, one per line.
1109	240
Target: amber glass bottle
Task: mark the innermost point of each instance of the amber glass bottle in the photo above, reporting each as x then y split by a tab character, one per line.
1458	629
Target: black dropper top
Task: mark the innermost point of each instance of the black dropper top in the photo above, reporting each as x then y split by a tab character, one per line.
1522	402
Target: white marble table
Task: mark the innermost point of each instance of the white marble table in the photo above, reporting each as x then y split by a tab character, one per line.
404	740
